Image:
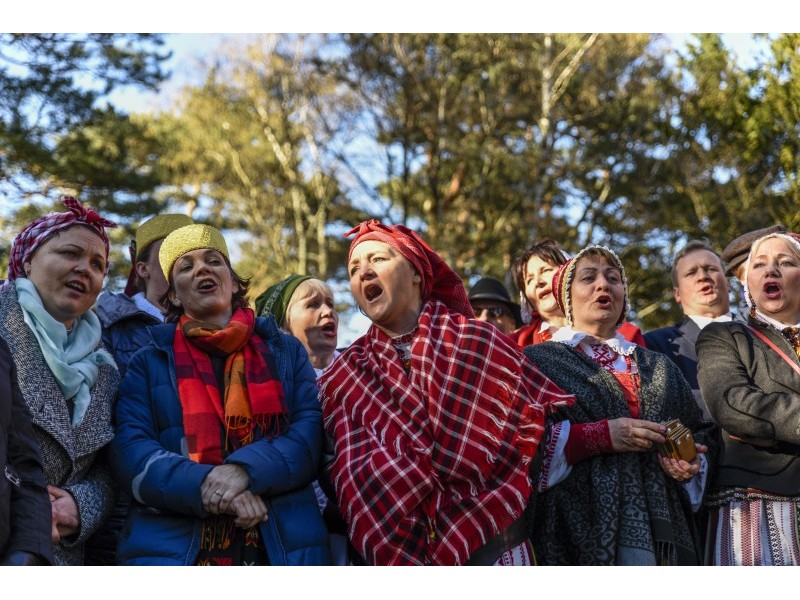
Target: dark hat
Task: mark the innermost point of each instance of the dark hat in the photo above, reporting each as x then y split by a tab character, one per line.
736	252
489	288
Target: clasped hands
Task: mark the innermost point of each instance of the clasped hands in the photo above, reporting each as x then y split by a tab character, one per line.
225	491
637	435
66	519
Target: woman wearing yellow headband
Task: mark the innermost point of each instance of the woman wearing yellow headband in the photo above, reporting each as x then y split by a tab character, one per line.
219	428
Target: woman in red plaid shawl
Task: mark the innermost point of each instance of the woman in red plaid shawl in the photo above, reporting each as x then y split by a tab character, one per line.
219	427
434	415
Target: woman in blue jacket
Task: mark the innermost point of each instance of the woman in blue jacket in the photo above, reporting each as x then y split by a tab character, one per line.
219	429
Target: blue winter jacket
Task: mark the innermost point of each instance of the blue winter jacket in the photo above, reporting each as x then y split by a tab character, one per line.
148	459
124	327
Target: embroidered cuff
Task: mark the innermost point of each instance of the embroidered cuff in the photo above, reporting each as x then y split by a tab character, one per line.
587	440
555	467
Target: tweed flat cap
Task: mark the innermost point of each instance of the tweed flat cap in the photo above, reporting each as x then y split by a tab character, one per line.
736	252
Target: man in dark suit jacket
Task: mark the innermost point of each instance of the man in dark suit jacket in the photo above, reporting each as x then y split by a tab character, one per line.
701	288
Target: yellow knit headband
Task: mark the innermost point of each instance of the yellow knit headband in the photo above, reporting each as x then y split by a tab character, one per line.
158	228
186	239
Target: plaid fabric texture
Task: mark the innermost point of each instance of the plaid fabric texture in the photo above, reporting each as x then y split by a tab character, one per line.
431	465
439	281
253	396
38	231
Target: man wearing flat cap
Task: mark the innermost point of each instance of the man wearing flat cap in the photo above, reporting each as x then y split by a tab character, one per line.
492	303
734	256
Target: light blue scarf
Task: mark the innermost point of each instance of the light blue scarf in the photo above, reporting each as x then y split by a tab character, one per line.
72	357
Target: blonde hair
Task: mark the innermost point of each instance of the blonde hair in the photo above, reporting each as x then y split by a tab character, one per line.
792	243
303	291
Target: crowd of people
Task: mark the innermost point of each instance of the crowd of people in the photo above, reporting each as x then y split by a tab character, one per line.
174	424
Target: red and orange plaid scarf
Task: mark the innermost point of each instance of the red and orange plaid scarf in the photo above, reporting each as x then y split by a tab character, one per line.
253	395
432	464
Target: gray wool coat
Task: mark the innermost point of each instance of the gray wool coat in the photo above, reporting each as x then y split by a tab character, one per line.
752	393
68	454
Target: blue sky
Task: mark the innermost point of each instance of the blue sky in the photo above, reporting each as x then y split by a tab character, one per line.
190	49
186	65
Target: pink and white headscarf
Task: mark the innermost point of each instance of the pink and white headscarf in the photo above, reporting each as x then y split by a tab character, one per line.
39	231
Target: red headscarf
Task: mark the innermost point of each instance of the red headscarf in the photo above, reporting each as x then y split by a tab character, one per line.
39	231
438	280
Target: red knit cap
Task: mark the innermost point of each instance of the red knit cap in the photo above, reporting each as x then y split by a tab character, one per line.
39	231
438	280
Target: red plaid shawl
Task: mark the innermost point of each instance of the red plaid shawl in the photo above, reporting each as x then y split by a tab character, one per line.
430	466
253	396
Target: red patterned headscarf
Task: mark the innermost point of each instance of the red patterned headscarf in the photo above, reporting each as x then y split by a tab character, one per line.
439	281
39	231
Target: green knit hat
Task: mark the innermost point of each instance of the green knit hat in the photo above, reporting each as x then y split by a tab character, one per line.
188	238
274	300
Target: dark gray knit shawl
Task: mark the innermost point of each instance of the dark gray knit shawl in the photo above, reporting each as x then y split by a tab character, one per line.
68	453
618	508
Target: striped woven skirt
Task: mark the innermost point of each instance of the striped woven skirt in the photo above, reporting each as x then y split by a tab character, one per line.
750	527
